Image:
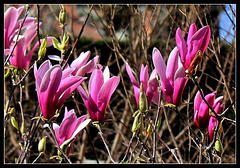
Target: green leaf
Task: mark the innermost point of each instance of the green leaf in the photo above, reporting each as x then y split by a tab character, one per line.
56	44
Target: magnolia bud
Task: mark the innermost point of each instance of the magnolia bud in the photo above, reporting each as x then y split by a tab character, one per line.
65	42
219	147
136	123
14	122
143	102
42	144
62	16
42	49
64	145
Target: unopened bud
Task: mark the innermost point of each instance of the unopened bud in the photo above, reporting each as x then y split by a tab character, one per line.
143	102
42	49
42	144
136	123
62	16
219	147
64	145
65	42
14	122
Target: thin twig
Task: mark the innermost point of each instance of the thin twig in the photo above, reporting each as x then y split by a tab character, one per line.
79	35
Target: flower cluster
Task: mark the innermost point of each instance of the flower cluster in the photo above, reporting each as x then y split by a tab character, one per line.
203	118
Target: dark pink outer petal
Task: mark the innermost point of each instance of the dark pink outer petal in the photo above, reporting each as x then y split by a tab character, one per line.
181	46
48	87
199	41
192	30
95	83
213	121
135	84
203	114
67	86
106	92
179	84
18	59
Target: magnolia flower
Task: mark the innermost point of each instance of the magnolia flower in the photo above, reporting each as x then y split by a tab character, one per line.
218	108
82	66
70	127
150	84
54	86
196	40
172	76
201	109
12	24
101	88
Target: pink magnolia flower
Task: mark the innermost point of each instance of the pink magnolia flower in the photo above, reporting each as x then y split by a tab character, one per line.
201	109
101	88
54	86
82	66
12	24
70	127
150	84
218	108
196	40
172	76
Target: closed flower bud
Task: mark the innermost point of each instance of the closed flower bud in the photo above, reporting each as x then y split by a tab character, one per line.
42	49
143	102
219	147
14	122
136	123
42	144
65	42
62	16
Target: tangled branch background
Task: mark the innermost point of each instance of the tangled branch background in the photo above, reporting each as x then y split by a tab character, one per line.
119	83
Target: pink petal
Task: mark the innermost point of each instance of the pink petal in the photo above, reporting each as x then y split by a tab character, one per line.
181	46
67	86
56	131
67	126
199	41
172	65
192	30
80	61
95	83
18	58
179	84
106	92
135	84
47	90
88	68
144	76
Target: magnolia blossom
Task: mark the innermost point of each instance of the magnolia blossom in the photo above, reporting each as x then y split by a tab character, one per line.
12	24
201	111
196	40
54	86
150	84
101	88
20	57
70	127
172	76
82	66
